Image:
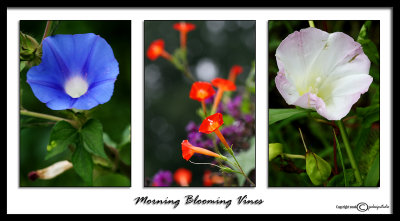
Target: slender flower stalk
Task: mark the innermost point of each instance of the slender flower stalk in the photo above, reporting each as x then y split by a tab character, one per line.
349	151
222	85
47	117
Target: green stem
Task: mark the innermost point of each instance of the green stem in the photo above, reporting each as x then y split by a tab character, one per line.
311	23
241	170
349	151
47	117
293	156
46	31
341	159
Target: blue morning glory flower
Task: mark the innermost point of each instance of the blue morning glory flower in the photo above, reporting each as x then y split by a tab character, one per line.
77	71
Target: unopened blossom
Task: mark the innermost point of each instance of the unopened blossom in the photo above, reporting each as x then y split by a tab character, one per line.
51	171
326	72
77	71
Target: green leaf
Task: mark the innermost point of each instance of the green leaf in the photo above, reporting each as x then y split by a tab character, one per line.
111	179
246	160
339	179
370	50
125	153
82	162
372	178
364	31
317	168
369	114
276	115
92	137
62	135
126	137
228	119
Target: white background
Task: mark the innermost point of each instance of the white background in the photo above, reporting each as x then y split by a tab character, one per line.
121	200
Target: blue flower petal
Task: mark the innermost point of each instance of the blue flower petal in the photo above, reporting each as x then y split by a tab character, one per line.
65	56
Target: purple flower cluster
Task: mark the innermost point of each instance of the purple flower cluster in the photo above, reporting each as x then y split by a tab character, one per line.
162	178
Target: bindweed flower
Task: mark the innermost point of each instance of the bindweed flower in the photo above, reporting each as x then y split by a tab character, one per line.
201	91
322	71
188	150
162	178
156	49
77	71
183	177
222	85
184	28
234	72
212	124
51	171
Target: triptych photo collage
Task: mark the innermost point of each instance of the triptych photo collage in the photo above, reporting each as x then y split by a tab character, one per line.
77	124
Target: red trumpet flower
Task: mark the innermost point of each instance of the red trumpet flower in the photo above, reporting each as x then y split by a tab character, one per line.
188	150
201	91
212	124
210	178
222	85
156	49
183	177
184	28
234	72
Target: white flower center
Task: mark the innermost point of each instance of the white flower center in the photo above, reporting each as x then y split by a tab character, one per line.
76	86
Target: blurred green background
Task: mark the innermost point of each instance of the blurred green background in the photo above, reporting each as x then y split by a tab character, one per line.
213	48
319	137
115	115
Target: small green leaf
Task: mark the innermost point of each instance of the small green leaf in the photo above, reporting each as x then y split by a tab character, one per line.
364	31
276	115
82	162
317	168
228	119
62	135
92	137
369	114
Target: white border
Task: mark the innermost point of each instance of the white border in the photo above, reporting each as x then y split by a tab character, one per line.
120	200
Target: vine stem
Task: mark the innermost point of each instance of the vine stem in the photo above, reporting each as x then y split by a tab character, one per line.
293	156
46	31
349	151
242	172
46	116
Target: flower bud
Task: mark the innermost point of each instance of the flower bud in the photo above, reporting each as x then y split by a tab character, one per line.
30	50
51	171
274	150
317	168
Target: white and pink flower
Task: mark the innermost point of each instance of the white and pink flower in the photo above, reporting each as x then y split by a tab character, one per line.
323	71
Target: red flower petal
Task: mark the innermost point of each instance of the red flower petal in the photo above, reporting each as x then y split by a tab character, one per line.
187	151
155	49
184	26
236	69
200	91
224	84
211	123
183	177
